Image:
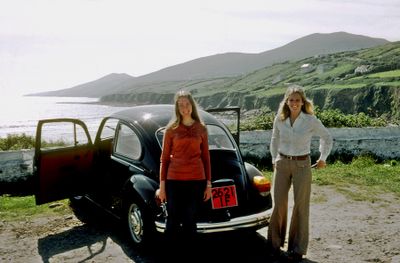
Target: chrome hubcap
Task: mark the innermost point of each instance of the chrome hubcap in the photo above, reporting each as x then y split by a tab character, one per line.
135	223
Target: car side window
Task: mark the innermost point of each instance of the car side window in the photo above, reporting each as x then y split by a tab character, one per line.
109	129
128	143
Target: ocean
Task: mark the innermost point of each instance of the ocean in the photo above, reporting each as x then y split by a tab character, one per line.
20	115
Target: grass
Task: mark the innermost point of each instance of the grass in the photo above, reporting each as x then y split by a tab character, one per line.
369	178
341	86
386	74
17	207
361	180
363	171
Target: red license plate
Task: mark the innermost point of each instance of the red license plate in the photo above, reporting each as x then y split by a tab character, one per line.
224	196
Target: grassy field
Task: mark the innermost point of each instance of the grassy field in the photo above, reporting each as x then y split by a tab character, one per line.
13	207
369	178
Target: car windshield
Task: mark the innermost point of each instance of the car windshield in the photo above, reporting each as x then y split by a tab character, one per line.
217	138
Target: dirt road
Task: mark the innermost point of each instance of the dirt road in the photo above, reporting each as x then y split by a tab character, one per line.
342	230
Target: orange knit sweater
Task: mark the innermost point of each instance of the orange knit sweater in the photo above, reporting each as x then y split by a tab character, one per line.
185	154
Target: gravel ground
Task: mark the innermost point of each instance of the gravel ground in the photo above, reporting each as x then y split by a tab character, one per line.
342	230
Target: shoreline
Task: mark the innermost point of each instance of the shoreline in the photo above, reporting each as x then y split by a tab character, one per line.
111	103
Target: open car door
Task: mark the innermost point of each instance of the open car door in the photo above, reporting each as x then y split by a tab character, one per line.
63	159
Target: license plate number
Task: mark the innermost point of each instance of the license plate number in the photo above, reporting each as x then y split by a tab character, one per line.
224	196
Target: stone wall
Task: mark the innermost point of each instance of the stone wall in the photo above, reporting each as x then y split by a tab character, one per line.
15	164
16	171
381	143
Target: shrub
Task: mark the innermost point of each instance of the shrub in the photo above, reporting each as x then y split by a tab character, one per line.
263	120
336	119
17	142
14	142
332	118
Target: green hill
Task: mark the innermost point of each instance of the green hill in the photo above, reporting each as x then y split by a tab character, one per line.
206	71
366	80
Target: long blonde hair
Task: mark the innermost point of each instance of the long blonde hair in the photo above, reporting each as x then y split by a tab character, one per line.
177	118
307	107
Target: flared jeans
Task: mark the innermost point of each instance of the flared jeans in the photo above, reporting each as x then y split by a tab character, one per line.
287	173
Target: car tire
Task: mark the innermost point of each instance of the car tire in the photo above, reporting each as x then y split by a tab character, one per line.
138	224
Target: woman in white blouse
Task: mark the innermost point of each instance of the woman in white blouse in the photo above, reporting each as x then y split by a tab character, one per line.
294	126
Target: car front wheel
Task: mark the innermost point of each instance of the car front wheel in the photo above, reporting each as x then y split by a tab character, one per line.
135	223
138	224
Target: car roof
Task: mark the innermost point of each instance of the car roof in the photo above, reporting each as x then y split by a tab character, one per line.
157	114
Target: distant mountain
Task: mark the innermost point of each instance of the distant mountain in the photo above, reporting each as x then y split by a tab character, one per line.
220	66
234	64
105	85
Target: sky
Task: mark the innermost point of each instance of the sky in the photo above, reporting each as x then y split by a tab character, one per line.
55	44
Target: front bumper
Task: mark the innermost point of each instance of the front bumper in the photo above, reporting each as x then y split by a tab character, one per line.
255	221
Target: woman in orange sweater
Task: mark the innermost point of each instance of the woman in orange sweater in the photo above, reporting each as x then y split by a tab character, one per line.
185	172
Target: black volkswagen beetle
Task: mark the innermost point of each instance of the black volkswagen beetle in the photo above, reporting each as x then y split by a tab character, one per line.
119	172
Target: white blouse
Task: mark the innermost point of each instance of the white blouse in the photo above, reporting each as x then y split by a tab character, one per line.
296	140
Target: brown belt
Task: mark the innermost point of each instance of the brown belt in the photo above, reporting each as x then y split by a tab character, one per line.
298	157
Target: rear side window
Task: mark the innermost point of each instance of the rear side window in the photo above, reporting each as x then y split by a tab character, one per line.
128	143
